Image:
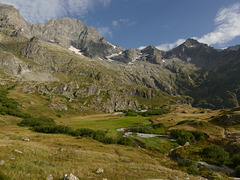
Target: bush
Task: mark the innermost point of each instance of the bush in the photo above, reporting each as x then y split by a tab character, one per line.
182	136
58	129
141	129
235	161
109	140
125	141
159	125
148	129
215	154
59	115
191	166
198	135
237	171
131	113
193	170
32	122
10	106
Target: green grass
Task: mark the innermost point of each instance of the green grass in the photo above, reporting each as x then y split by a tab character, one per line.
109	124
159	144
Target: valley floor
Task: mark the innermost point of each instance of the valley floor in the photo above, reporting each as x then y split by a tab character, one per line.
59	154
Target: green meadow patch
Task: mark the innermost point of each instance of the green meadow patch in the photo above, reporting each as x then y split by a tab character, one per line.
110	124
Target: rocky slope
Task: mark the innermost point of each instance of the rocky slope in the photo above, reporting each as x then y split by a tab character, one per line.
65	57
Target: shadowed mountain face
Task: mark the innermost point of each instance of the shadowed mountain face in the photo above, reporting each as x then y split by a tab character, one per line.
43	53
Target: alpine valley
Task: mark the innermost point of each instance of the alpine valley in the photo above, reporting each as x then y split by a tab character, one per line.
72	103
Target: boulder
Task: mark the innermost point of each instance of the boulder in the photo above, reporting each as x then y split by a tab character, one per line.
2	162
59	107
49	177
17	151
25	139
70	177
100	170
6	138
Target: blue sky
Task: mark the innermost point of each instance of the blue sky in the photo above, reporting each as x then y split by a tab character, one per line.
137	23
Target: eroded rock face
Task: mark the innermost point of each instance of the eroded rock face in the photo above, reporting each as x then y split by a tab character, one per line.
87	91
59	107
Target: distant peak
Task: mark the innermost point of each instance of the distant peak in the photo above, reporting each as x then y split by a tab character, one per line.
191	43
150	47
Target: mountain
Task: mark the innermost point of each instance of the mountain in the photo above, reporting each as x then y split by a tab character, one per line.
68	59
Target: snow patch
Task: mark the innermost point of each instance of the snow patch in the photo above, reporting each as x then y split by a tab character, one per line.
113	55
112	45
77	51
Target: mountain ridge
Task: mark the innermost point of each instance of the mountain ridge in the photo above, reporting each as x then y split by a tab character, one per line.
42	52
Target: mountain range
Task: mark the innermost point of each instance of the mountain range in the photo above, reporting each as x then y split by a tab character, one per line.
67	59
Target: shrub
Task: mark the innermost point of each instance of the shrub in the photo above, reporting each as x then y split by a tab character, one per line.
237	171
193	170
215	154
32	122
131	113
9	106
109	140
182	136
198	135
235	161
159	125
125	141
185	163
191	166
58	129
141	129
59	115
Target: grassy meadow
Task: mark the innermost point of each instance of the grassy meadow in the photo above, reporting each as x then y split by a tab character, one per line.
59	154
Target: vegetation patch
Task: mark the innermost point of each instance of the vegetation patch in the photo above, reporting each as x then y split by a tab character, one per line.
189	166
149	129
182	136
47	125
215	155
9	106
157	144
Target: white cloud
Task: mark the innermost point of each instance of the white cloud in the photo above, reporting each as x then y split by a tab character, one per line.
105	31
142	47
38	11
169	46
227	28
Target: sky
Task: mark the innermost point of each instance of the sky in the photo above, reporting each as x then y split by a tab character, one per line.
139	23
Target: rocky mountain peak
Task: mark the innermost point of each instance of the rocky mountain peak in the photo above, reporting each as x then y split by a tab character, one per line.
65	32
11	20
191	43
233	48
152	54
